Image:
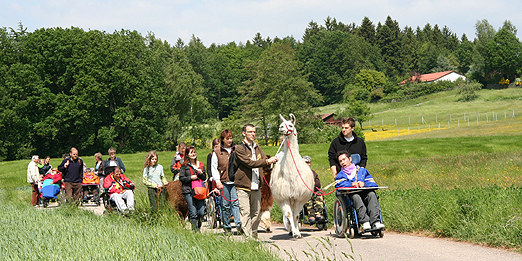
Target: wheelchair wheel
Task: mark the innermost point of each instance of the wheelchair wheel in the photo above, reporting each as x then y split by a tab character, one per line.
211	213
340	217
351	233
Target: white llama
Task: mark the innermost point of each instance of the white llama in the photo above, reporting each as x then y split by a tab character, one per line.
286	183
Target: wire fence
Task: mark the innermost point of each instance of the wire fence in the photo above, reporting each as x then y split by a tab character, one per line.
381	129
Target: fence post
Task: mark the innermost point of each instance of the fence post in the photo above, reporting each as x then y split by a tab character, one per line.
458	123
505	115
395	122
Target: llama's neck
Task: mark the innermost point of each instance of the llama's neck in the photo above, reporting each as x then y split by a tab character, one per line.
292	141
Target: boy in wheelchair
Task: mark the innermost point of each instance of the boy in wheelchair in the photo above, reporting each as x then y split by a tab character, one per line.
120	190
365	201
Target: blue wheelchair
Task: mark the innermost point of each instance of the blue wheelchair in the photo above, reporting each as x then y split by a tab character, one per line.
345	218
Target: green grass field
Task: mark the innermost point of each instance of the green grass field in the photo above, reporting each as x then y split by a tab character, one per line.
464	183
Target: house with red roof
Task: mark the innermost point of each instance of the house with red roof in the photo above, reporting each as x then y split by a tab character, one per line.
435	77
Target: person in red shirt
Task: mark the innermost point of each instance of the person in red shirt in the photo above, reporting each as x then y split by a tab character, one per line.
120	190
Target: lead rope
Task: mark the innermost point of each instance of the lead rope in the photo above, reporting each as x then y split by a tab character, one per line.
295	164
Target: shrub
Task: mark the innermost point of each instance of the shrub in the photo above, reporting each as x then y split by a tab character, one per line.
467	92
414	90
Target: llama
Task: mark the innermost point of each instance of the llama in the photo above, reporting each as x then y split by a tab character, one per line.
267	201
287	178
176	198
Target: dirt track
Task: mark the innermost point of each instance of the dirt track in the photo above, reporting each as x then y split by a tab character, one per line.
324	245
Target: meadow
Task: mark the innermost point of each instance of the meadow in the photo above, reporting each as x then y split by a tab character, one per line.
463	183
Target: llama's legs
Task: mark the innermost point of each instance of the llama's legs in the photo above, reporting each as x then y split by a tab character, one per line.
292	219
265	218
296	210
286	214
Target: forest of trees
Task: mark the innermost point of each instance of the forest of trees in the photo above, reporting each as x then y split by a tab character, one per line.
63	87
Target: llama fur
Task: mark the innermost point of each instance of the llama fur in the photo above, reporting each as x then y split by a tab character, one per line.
176	198
267	201
287	186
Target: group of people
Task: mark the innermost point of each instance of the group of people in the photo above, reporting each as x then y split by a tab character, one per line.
72	169
240	196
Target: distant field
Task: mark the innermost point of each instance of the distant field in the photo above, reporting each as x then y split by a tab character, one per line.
495	112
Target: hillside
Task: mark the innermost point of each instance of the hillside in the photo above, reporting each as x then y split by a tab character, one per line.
494	112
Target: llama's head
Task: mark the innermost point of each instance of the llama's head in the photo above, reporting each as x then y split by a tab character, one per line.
287	127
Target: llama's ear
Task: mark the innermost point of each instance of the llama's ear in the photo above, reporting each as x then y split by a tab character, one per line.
281	116
292	118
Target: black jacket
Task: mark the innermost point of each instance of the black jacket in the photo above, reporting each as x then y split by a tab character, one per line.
74	172
186	181
356	146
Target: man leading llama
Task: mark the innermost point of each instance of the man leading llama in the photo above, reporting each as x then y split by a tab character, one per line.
250	161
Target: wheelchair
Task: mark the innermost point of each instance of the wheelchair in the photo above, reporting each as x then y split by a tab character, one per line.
345	216
88	194
321	224
213	211
109	204
213	207
344	212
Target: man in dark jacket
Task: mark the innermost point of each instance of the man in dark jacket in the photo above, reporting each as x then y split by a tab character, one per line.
346	141
72	169
250	161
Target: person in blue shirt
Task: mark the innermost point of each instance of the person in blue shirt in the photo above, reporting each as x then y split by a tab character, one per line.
365	201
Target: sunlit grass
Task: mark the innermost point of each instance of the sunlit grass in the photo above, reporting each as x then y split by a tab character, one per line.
71	234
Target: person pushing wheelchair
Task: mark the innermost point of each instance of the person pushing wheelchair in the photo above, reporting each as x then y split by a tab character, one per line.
365	201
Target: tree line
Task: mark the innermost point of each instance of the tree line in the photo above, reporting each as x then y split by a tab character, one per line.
64	87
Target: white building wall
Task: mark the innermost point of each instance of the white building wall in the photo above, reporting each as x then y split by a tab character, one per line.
453	76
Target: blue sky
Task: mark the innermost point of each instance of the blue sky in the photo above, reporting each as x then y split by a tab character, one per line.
225	21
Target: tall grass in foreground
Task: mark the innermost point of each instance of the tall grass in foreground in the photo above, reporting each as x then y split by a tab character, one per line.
68	233
491	215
